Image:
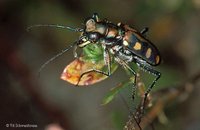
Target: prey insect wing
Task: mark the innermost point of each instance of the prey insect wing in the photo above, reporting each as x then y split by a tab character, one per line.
76	68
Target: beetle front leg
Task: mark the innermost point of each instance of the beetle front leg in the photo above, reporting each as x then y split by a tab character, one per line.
75	51
107	61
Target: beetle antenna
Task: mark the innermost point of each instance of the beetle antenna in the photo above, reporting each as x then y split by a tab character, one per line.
55	26
55	57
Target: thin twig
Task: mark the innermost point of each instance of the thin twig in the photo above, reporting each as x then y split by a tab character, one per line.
161	99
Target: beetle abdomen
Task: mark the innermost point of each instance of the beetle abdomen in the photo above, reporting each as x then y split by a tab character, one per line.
141	47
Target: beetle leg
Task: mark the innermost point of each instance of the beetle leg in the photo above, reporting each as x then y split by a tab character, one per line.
157	75
75	51
126	66
144	30
136	117
96	17
107	61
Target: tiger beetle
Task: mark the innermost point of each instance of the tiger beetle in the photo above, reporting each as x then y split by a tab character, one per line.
119	42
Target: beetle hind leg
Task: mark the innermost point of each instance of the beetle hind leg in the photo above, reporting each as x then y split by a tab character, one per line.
157	75
144	31
96	17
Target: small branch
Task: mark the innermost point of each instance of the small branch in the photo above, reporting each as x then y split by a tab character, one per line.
160	100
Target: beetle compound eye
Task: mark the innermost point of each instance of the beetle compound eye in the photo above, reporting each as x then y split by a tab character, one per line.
94	37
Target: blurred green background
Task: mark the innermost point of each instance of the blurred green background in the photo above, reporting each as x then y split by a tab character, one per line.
51	103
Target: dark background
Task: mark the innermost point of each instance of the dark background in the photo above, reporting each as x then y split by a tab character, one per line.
25	99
